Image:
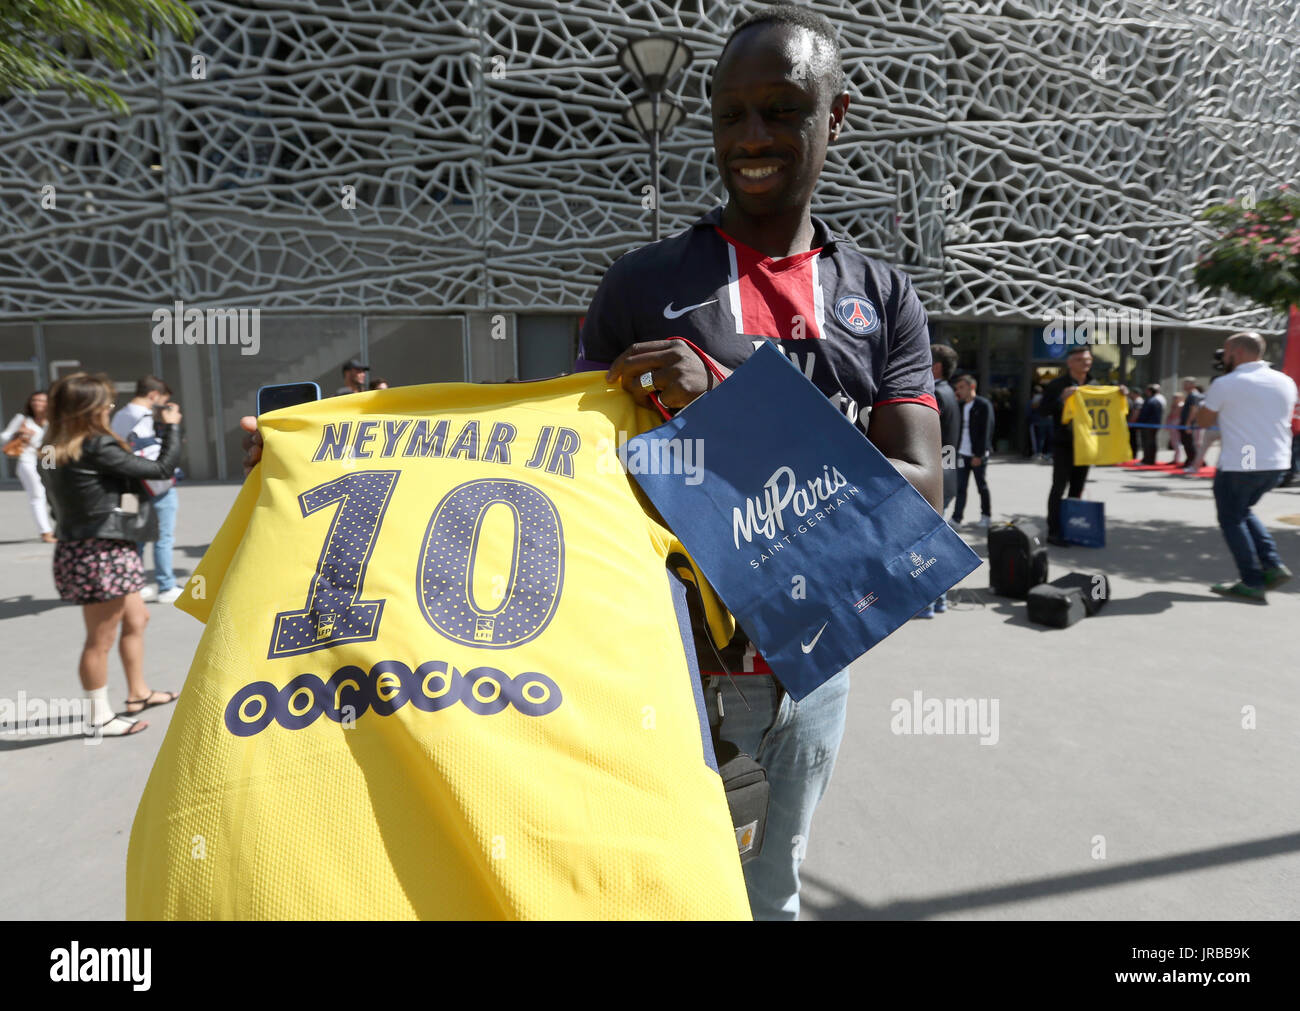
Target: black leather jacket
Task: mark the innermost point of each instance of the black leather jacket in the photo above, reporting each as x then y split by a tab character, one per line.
85	495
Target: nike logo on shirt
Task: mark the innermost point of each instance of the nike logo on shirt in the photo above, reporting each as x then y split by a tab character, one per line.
807	647
671	313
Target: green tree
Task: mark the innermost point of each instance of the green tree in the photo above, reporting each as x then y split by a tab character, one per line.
41	40
1257	252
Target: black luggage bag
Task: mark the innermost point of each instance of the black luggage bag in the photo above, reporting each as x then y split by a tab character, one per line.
1056	606
1094	586
1017	559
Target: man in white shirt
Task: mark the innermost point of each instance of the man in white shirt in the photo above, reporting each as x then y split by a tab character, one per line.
133	424
1252	406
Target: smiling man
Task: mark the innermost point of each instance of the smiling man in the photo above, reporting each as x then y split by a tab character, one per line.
763	268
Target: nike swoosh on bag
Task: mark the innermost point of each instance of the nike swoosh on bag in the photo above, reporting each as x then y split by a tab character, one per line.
807	647
671	313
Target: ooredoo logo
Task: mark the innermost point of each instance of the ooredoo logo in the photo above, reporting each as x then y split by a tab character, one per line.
389	685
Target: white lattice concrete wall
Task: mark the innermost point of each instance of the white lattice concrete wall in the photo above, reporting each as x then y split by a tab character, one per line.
1009	154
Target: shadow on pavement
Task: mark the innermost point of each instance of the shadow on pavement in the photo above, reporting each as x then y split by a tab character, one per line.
13	607
846	907
1167	552
33	733
18	743
1193	490
1155	602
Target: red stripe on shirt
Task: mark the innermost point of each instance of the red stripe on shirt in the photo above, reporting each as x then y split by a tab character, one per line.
774	293
925	398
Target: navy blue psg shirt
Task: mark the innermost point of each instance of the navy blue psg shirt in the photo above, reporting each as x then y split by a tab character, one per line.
853	325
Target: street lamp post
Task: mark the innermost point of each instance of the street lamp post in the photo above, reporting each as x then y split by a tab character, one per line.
655	63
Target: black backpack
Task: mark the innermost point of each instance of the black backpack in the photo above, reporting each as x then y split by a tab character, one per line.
1093	585
1017	559
1056	606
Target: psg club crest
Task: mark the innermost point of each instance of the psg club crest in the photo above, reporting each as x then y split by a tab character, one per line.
858	314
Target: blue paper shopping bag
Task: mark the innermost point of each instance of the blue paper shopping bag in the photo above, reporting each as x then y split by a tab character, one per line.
1084	522
811	538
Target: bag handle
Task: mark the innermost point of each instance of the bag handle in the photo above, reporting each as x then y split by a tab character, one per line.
713	372
708	362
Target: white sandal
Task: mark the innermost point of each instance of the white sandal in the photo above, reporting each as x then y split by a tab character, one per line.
123	726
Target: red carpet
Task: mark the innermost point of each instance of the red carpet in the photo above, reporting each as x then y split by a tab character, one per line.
1167	468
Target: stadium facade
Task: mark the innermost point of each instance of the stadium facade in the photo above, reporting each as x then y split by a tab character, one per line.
438	186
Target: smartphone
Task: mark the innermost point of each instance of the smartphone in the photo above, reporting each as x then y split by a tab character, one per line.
272	398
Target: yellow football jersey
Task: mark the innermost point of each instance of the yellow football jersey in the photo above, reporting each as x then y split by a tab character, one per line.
1098	416
442	676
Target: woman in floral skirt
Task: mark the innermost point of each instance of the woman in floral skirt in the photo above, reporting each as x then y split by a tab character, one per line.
94	485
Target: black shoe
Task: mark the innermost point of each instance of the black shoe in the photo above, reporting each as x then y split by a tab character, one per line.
1059	542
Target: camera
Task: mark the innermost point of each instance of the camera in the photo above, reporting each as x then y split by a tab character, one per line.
1218	361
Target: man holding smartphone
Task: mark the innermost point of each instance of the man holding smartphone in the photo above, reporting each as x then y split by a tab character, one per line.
134	425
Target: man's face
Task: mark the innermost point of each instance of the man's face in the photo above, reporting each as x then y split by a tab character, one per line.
964	389
772	118
356	377
1080	364
1234	356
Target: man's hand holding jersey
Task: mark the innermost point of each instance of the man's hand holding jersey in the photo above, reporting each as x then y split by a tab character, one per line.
252	442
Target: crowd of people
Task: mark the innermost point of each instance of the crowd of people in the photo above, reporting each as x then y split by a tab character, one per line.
1249	409
1151	417
100	482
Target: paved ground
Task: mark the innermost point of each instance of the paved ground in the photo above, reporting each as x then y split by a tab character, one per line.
1126	728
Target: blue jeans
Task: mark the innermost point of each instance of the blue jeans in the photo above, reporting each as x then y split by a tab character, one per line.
964	470
165	507
1235	491
796	742
1040	435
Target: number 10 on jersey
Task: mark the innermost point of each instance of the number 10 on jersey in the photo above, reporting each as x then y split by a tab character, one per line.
335	613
